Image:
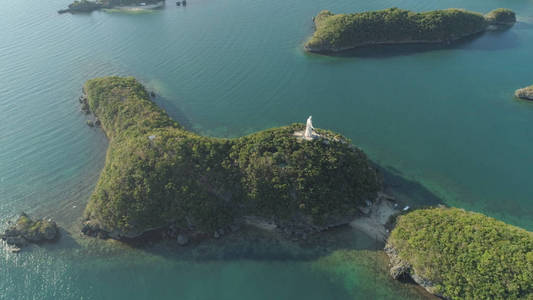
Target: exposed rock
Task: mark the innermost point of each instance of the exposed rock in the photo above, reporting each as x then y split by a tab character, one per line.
90	123
182	239
399	269
525	93
402	270
501	17
234	227
90	229
85	108
27	231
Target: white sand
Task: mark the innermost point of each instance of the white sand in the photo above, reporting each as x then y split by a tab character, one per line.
373	224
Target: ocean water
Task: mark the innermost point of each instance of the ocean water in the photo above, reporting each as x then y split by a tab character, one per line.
441	121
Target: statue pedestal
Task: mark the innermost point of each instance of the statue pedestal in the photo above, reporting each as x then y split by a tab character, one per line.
301	135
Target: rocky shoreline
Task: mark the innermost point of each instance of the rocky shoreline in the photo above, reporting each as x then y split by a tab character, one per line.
371	220
403	271
525	93
326	50
336	33
85	6
26	231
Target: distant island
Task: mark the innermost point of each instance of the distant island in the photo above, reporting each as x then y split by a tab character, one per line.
89	6
456	254
159	175
339	32
525	93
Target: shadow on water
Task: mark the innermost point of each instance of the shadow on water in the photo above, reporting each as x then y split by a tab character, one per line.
487	41
523	26
406	191
254	244
250	243
173	111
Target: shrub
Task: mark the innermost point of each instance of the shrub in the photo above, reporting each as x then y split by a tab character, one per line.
468	255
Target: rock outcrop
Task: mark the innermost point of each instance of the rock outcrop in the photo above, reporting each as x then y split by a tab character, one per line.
403	271
456	254
26	231
501	17
525	93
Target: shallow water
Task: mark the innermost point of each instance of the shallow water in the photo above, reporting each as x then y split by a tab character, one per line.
442	118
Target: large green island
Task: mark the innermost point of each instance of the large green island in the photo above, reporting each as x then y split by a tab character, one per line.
84	6
339	32
158	174
457	254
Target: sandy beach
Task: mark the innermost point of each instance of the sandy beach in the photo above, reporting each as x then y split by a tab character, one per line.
373	223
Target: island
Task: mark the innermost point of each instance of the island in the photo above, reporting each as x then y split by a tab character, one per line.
84	6
501	17
158	175
456	254
26	231
339	32
525	93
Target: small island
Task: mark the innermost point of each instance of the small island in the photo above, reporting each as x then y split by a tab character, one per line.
84	6
525	93
456	254
339	32
26	231
158	175
501	17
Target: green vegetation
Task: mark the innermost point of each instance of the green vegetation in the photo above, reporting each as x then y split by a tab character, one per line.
466	255
88	6
501	16
84	6
390	26
25	231
157	173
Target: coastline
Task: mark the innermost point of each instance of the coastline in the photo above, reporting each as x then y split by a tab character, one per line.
137	8
94	6
390	43
335	33
374	223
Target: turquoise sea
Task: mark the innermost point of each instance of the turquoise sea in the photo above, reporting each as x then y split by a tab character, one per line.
441	122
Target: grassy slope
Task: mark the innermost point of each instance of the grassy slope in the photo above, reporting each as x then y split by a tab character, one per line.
469	255
178	176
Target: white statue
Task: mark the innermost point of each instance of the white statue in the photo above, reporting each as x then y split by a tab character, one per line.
309	134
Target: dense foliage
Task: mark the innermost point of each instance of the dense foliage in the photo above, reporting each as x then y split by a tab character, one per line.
501	16
156	172
393	25
468	255
84	5
87	6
